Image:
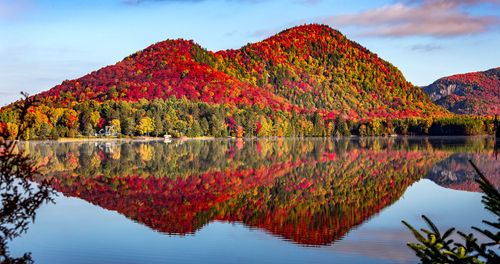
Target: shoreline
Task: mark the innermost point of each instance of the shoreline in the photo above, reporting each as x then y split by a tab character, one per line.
91	139
116	139
151	139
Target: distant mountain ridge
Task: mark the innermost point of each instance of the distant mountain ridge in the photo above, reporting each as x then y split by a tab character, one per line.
307	68
470	93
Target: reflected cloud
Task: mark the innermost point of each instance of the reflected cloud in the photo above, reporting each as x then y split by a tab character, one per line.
367	242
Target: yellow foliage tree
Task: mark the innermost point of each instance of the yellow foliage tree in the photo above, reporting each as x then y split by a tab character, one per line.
117	125
94	118
145	126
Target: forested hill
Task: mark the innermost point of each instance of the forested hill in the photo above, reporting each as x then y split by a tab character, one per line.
309	67
163	70
294	83
470	93
314	66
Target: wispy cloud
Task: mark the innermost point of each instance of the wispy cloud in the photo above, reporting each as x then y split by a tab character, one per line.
137	2
13	8
262	33
436	18
308	2
425	47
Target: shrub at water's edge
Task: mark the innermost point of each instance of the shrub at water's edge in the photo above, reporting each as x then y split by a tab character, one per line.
20	197
433	246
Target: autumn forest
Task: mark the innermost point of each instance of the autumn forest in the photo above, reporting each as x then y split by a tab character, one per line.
305	81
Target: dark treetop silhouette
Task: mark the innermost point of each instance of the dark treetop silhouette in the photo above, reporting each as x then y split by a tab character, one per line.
20	196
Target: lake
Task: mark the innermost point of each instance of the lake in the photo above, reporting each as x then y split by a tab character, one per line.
252	201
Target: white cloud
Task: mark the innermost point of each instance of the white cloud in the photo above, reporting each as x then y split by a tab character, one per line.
437	18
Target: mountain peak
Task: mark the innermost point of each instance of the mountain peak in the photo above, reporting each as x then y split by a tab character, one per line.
320	28
307	33
168	47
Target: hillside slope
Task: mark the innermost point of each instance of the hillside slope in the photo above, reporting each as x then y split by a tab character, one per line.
304	81
470	93
310	67
163	70
314	66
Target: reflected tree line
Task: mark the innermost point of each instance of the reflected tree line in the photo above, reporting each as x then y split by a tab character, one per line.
311	192
313	199
184	158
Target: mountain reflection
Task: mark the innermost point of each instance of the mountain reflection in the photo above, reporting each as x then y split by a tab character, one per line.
311	192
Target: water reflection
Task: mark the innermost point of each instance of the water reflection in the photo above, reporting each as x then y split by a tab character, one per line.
455	172
20	198
311	192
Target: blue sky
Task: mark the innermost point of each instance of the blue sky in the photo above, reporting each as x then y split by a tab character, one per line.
45	42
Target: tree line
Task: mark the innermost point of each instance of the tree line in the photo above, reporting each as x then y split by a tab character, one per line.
182	117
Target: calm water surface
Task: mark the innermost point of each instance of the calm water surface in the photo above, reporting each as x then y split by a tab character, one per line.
252	201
